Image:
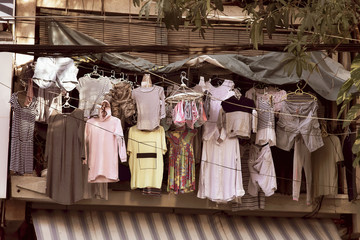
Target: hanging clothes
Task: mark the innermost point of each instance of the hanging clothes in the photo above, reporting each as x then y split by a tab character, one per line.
324	166
248	202
218	94
267	101
284	169
181	174
122	105
105	142
220	174
201	114
91	93
305	135
58	72
146	150
167	121
220	177
178	114
238	117
49	100
53	75
64	152
262	171
22	134
150	104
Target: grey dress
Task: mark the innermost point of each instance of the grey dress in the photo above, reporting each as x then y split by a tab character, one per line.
64	152
22	135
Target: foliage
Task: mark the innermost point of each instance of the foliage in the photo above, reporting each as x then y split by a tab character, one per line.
308	21
345	96
171	12
321	21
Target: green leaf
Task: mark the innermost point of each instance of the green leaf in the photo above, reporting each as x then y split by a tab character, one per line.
254	34
356	146
352	114
344	90
136	3
208	6
344	105
290	66
261	32
356	160
286	18
298	68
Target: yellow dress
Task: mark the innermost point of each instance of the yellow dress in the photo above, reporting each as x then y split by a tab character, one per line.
146	150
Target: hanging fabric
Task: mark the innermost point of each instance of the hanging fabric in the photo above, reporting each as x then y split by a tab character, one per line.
92	88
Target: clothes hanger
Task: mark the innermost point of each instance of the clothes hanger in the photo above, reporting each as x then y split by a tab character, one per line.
122	77
113	73
94	73
125	79
113	78
67	104
299	95
182	92
219	81
237	93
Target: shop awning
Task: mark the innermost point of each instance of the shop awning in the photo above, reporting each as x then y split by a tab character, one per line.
58	224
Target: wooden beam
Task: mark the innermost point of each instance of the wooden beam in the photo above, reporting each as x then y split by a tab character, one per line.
133	199
75	50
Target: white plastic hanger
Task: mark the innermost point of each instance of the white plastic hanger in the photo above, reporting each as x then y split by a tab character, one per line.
182	92
67	104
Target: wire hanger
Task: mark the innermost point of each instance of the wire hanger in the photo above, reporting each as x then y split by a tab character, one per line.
219	81
182	92
298	95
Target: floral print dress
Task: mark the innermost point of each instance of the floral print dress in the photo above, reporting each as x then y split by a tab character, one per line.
181	176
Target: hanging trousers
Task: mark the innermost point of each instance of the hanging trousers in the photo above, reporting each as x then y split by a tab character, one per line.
302	159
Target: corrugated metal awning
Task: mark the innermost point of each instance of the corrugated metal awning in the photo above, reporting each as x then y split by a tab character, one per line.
56	224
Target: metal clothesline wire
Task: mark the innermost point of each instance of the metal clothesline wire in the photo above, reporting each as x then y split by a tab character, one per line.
202	160
235	104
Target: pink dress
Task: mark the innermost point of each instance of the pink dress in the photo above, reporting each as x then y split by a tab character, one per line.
104	142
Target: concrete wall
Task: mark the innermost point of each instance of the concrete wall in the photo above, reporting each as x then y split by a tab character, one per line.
6	63
25	31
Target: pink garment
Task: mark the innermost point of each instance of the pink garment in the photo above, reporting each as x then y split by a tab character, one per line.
104	142
178	114
195	113
29	93
201	115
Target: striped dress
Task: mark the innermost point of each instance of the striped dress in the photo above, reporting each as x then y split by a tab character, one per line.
22	133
